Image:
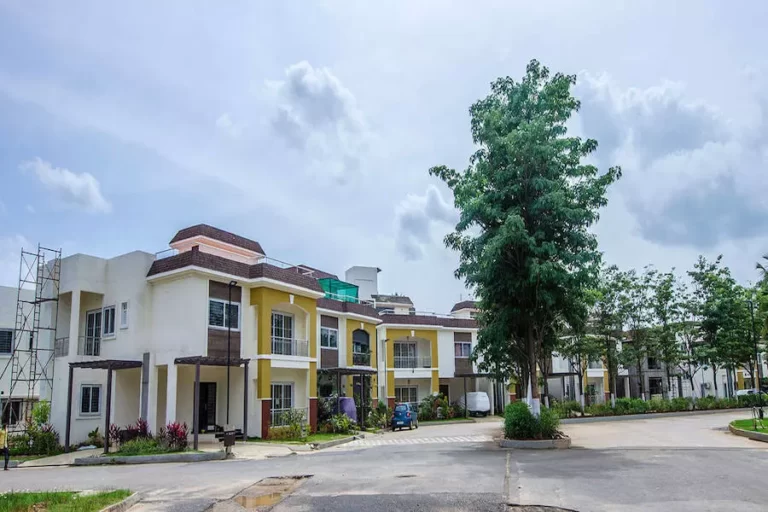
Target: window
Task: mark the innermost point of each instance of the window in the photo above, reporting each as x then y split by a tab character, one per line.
329	338
12	413
90	399
653	364
282	326
655	386
109	321
219	315
282	396
360	342
406	394
123	315
6	341
462	348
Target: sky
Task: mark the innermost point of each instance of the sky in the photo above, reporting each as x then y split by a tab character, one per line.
310	126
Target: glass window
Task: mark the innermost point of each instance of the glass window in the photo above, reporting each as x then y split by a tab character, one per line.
6	341
655	386
123	315
12	413
282	396
219	315
462	348
329	338
90	399
406	394
282	326
215	313
109	321
233	316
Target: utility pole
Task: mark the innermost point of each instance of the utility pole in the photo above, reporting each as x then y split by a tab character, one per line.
228	318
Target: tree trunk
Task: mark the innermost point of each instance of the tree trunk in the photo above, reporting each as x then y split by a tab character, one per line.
641	378
532	364
752	373
714	378
669	382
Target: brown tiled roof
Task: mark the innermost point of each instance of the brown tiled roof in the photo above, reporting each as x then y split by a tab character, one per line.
465	304
460	323
316	273
217	234
198	258
395	299
348	307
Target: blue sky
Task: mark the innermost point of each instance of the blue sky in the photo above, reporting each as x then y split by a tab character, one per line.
310	127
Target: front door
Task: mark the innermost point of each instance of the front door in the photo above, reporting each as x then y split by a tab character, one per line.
206	418
444	390
92	345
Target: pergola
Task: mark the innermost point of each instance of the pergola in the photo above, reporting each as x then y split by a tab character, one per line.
199	361
101	364
466	376
361	371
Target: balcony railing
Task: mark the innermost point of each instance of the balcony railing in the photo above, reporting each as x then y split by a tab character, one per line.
413	361
89	345
284	417
290	347
361	359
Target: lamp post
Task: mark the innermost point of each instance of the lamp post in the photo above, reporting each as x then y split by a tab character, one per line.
756	376
228	317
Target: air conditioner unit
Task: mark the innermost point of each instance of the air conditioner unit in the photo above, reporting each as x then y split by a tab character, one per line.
707	385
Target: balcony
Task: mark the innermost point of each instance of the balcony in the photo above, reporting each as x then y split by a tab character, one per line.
289	347
88	345
413	362
463	365
284	417
361	359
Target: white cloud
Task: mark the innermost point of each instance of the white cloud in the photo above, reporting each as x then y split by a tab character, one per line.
81	191
228	126
10	252
315	114
415	219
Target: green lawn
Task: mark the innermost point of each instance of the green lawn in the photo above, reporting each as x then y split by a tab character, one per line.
749	425
312	438
59	501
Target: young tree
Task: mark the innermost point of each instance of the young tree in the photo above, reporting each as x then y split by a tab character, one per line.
665	305
526	204
634	300
607	319
689	331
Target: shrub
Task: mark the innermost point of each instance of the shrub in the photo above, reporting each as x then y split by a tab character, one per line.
326	407
283	434
548	424
114	433
566	408
706	403
519	422
681	404
95	438
41	413
599	410
623	406
173	437
142	428
341	424
658	405
638	406
380	416
38	440
142	445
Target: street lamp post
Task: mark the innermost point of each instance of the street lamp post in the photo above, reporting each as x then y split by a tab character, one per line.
228	317
757	375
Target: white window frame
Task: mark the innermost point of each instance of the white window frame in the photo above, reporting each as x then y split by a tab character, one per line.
226	314
10	352
90	414
414	389
272	325
104	322
272	396
124	314
329	330
462	343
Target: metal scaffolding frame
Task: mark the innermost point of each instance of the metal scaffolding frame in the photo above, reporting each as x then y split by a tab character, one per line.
32	359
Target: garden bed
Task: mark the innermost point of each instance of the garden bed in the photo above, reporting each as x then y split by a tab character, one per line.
150	459
745	428
537	444
60	501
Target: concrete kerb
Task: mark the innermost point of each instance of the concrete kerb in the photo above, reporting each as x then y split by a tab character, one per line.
336	442
755	436
647	416
533	444
437	423
151	459
122	505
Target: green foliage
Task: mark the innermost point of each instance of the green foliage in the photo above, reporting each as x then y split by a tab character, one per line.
566	408
142	446
60	501
681	404
41	413
437	407
599	410
341	424
293	428
658	405
526	203
380	416
520	423
95	438
38	440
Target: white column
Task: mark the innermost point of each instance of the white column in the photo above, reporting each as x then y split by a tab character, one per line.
170	397
492	390
74	323
151	393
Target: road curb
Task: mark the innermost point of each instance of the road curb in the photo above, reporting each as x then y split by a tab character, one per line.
336	442
536	444
755	436
122	505
647	416
151	459
438	423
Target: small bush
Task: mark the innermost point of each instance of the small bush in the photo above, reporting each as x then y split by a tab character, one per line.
520	423
95	438
623	406
566	408
658	405
341	424
681	404
638	406
599	410
173	437
41	413
548	424
38	440
141	446
380	416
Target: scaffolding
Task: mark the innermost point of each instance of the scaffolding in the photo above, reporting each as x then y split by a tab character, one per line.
32	353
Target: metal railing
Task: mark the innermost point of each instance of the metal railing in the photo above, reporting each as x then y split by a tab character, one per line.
61	347
88	345
289	347
284	417
167	253
413	361
361	359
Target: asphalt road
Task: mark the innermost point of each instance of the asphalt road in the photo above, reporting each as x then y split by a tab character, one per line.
669	464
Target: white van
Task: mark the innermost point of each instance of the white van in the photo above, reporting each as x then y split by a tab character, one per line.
478	403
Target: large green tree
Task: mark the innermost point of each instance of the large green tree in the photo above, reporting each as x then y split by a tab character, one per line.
526	204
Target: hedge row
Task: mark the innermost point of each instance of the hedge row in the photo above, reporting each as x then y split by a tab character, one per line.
624	406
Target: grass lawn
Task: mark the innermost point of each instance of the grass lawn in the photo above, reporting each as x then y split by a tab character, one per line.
24	458
749	425
312	438
59	501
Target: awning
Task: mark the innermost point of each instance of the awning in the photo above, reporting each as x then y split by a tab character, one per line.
107	364
211	361
350	370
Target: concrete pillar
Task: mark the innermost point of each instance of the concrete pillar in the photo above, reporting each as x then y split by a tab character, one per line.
74	323
492	397
170	396
151	397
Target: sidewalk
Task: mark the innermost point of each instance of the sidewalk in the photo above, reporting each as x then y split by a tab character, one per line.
64	459
255	451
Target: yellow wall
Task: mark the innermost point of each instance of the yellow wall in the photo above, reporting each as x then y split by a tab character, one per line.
739	380
266	299
353	325
264	378
394	335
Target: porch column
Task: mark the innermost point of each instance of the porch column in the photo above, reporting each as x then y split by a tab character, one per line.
108	411
74	323
245	401
493	397
170	395
196	407
69	411
466	399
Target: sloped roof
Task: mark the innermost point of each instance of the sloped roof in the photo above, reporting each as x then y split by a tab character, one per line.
465	304
217	234
316	273
460	323
394	299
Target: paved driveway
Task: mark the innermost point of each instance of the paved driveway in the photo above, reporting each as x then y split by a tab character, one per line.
694	431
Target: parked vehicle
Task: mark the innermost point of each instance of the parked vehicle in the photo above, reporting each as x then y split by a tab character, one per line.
405	416
476	403
743	392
